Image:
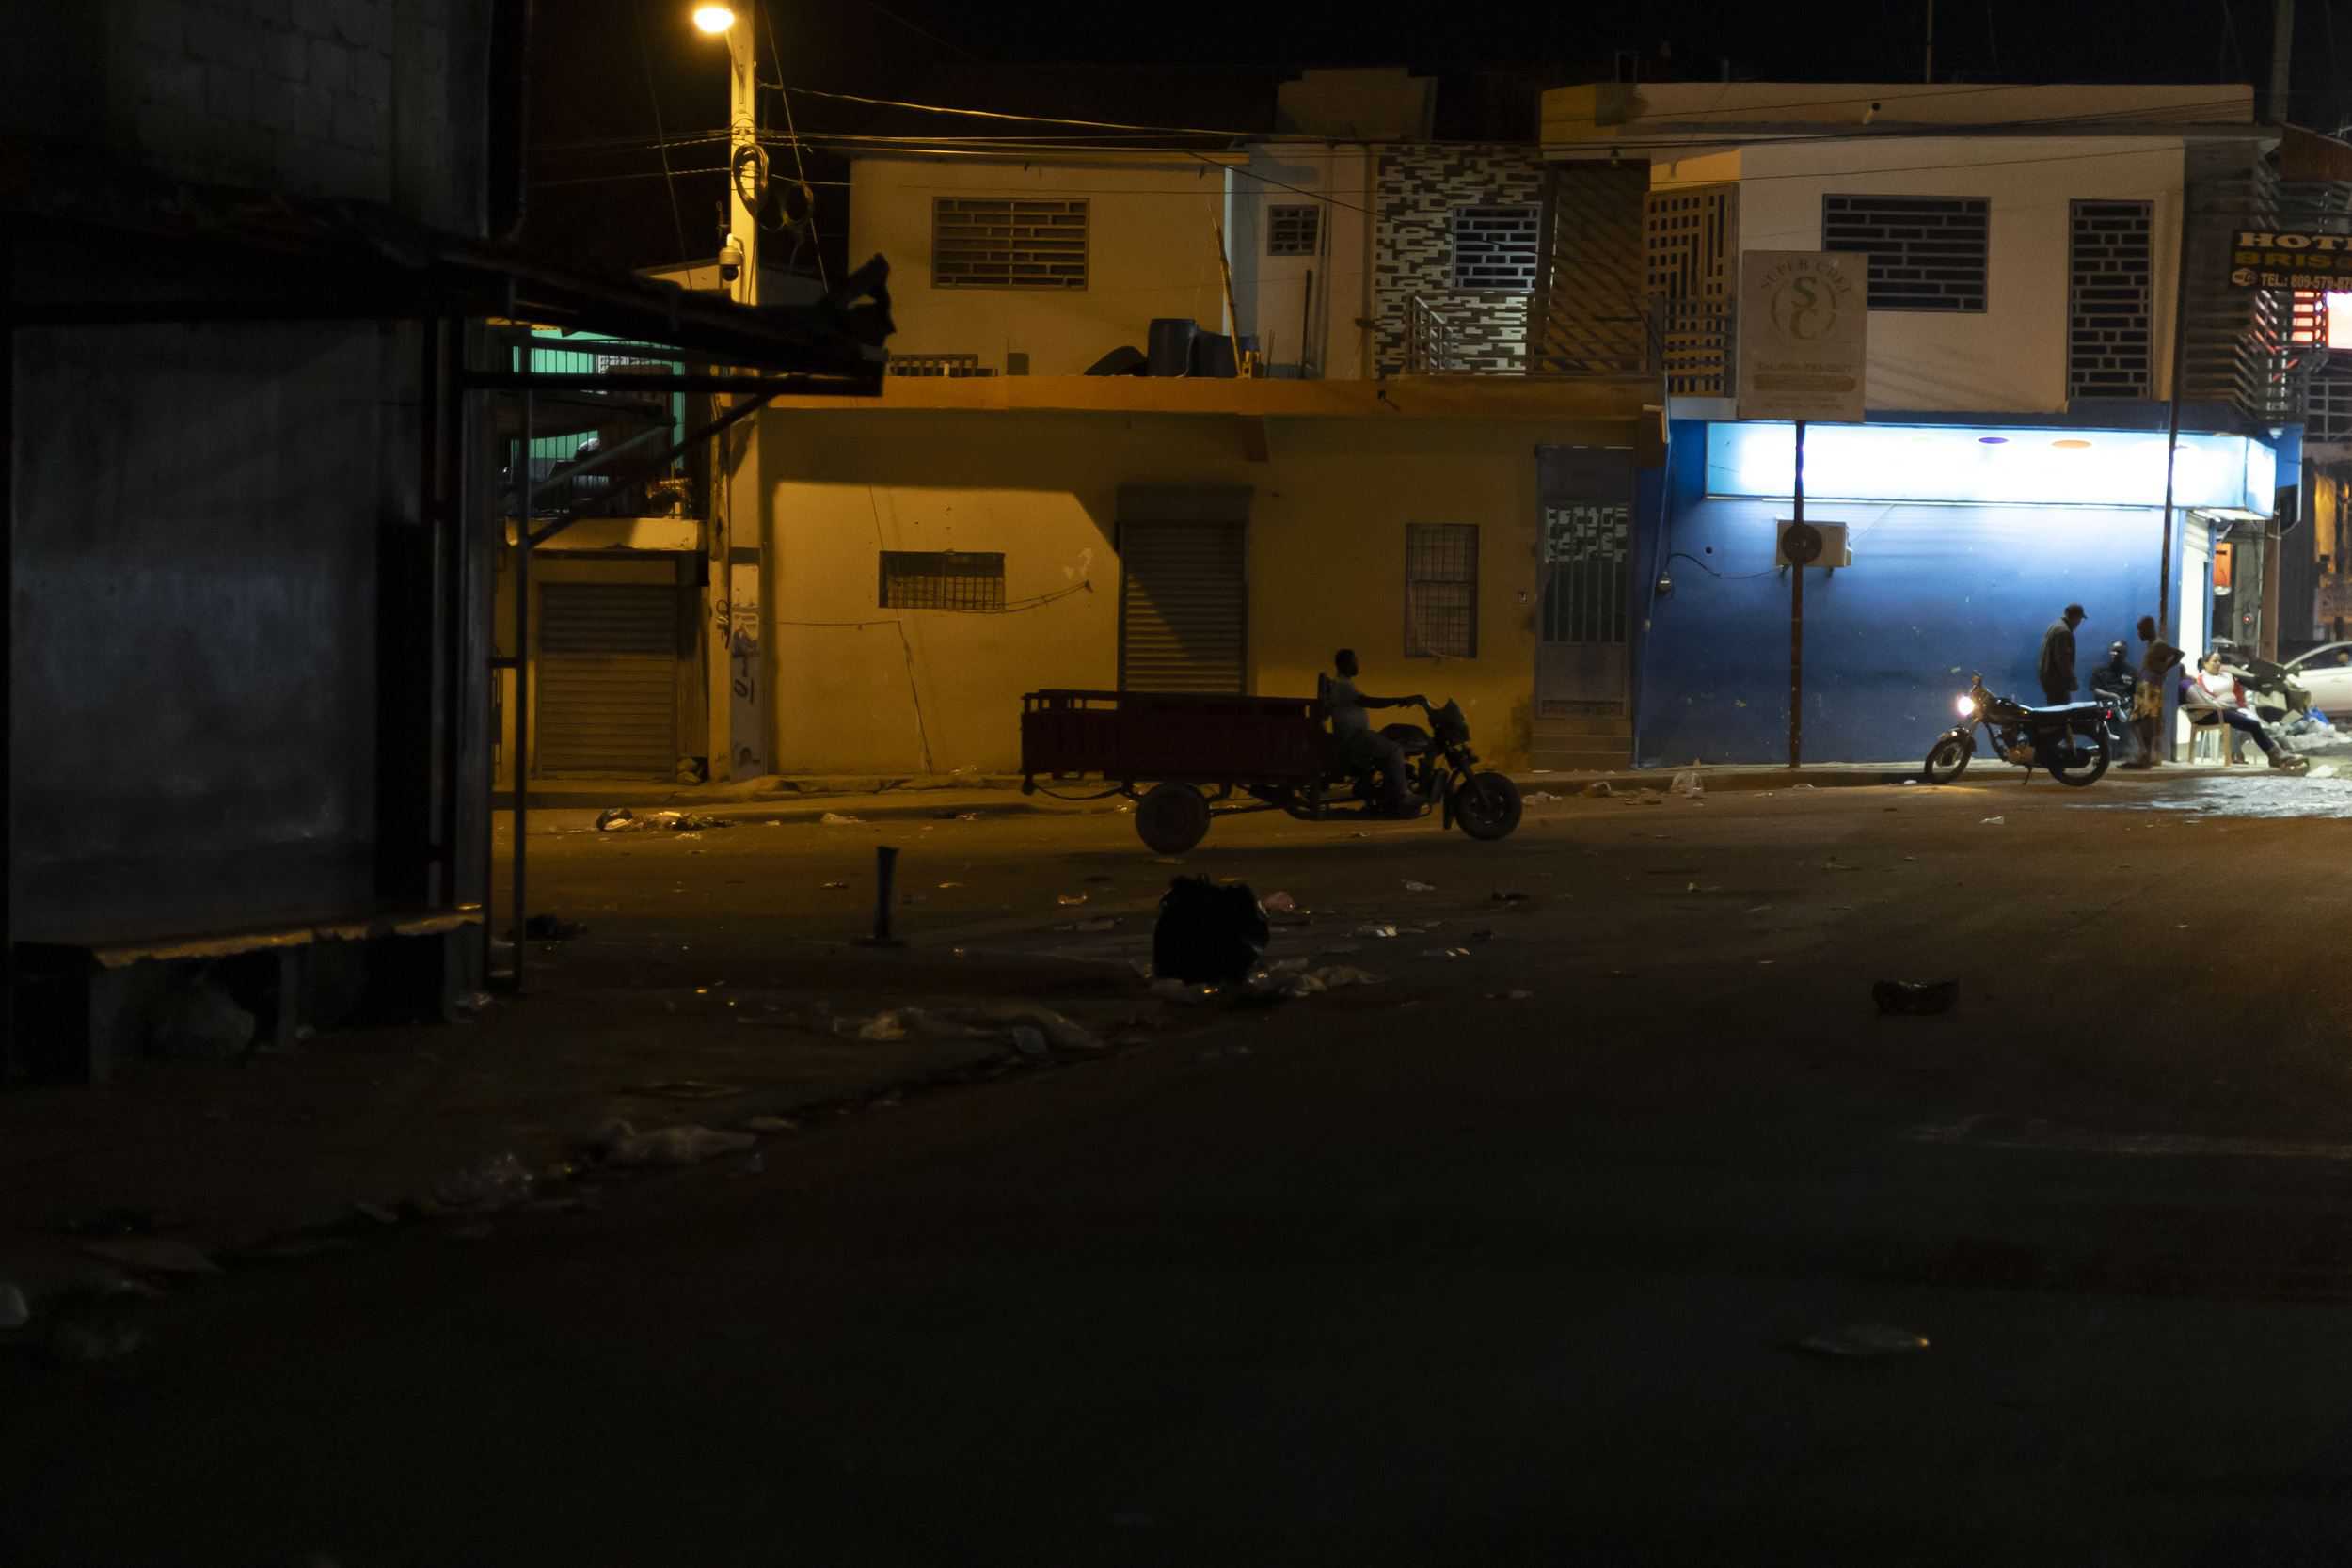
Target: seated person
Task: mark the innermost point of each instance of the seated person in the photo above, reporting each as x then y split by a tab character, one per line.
1361	747
2116	681
2214	690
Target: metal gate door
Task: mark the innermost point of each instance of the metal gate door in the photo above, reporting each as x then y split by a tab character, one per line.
607	692
1183	607
1581	661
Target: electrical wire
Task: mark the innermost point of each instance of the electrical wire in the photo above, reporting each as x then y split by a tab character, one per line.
800	169
1026	120
678	216
925	32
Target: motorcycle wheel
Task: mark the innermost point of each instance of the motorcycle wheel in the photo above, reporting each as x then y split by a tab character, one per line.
1487	806
1171	819
2088	771
1948	759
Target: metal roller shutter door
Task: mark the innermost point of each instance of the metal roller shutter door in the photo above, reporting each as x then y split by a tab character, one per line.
1183	607
607	692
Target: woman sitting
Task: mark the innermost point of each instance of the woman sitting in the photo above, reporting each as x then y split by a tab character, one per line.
2213	695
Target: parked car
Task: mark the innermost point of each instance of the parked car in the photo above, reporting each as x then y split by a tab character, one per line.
2326	672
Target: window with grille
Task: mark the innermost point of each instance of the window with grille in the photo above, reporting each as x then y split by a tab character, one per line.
1494	247
990	241
1292	231
1927	252
2110	301
942	579
1442	591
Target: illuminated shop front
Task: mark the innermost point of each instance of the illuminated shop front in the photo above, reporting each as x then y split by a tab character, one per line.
1967	542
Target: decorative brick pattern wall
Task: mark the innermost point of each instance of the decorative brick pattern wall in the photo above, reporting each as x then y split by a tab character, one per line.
1927	252
1414	251
2110	303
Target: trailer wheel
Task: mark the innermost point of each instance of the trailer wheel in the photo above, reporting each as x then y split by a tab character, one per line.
1172	818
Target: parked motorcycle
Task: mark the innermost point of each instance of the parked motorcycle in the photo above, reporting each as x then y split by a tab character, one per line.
2070	741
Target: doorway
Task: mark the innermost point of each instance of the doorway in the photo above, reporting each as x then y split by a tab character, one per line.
1582	658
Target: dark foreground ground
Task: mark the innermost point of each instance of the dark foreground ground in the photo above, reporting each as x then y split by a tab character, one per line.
1413	1273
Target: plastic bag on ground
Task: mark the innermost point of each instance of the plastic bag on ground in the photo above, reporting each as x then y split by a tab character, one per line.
1599	789
1062	1032
1207	932
1338	975
623	1144
498	1183
836	820
199	1021
617	819
1688	784
1281	902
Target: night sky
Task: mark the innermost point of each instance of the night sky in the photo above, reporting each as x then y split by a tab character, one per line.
599	66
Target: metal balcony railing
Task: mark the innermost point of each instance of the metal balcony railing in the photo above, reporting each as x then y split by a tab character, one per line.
1689	343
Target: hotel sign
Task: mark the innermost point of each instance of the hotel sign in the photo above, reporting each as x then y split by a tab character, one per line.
2281	259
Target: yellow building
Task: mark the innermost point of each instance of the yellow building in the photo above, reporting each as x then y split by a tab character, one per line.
930	557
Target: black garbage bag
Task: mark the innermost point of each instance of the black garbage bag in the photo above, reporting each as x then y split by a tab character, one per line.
1207	933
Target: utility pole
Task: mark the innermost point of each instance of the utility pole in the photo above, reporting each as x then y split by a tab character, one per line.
2282	54
743	136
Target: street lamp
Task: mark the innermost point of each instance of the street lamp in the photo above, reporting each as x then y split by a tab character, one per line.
740	245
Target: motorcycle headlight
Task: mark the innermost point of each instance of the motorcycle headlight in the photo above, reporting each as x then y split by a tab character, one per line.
1967	704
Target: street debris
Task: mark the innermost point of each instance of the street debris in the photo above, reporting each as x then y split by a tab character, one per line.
152	1254
14	1313
199	1021
1185	991
1864	1340
1508	898
550	927
1377	929
1420	887
500	1181
1652	797
1069	899
1446	953
89	1338
616	819
1540	797
691	1088
770	1124
889	1025
1509	995
1995	821
118	1221
1105	923
1206	932
620	820
1338	976
1599	789
944	886
1281	902
1688	784
836	820
1915	998
623	1144
1029	1041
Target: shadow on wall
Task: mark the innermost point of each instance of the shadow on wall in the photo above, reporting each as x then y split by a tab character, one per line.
1936	594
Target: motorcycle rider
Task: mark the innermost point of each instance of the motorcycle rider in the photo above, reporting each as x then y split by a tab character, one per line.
2116	681
1361	747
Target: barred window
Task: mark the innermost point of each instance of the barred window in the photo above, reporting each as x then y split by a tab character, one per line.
942	579
997	242
1927	252
1494	247
1442	591
1292	231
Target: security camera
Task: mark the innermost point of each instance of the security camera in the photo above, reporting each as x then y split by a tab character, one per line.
730	260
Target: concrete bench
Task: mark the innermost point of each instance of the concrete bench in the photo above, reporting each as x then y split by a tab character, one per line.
83	1008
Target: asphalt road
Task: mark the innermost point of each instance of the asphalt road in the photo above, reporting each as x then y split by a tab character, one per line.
1414	1273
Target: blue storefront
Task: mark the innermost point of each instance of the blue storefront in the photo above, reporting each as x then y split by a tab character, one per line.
1967	540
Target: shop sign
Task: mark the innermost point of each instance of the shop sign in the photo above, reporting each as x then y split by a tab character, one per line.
1803	335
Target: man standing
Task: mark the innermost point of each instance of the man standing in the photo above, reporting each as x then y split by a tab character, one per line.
2057	656
1361	747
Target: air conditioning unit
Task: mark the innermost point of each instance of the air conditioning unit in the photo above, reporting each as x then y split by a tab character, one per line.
1835	550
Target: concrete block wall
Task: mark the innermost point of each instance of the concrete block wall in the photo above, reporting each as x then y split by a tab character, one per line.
1413	250
377	100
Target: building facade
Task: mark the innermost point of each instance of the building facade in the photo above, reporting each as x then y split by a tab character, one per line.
2025	247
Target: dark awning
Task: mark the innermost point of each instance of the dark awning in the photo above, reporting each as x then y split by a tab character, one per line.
100	243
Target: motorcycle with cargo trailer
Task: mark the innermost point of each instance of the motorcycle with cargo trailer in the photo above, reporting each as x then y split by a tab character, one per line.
1188	758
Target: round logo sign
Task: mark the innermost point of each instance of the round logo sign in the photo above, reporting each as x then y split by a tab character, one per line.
1803	305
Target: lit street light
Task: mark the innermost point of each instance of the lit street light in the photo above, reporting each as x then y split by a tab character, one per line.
713	19
742	237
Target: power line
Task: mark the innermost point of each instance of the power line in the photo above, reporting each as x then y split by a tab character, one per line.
677	217
1029	120
799	168
923	32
